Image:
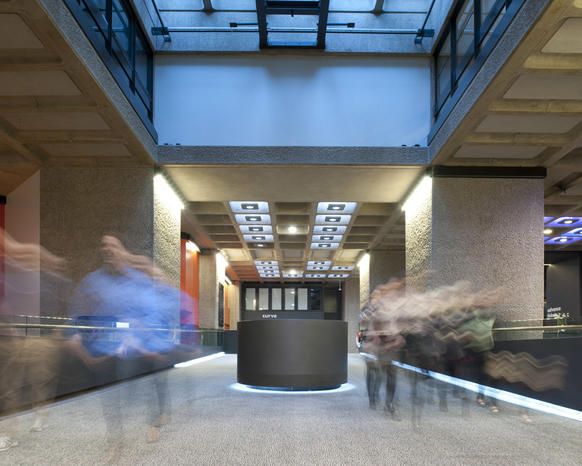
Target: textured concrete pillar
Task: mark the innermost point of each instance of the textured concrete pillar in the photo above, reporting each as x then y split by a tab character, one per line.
78	205
386	265
351	311
484	230
208	290
234	304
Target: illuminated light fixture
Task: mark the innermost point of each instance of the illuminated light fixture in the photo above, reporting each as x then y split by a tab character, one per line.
220	257
326	238
262	219
199	360
293	271
292	229
249	206
565	222
318	267
338	275
324	245
260	245
574	232
364	261
325	220
292	392
191	246
418	196
318	262
500	395
563	240
266	262
342	267
332	207
548	231
256	229
162	187
259	238
315	275
330	229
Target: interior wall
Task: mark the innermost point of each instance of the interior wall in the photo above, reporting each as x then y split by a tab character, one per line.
291	100
22	286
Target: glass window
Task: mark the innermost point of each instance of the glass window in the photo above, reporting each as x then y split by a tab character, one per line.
142	63
263	299
250	299
492	13
289	299
443	71
465	34
276	299
302	299
315	299
121	40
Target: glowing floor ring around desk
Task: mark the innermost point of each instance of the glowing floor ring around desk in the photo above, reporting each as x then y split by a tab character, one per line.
292	353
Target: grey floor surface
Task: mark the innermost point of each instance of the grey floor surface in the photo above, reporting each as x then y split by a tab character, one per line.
214	424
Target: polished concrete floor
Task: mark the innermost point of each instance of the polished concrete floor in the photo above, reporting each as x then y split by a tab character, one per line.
212	423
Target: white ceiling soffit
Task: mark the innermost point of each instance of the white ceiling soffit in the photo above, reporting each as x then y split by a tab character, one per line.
294	183
15	34
527	124
567	39
493	151
23	83
546	86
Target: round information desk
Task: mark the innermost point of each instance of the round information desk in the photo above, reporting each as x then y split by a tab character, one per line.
293	353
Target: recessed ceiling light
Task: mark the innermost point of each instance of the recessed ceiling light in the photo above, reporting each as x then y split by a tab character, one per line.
547	231
255	229
253	218
568	222
292	229
329	218
259	237
260	245
250	206
336	207
324	245
326	238
563	240
292	271
329	229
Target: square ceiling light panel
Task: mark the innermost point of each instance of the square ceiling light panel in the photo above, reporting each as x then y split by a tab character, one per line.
266	262
565	222
547	219
329	230
324	245
318	267
563	240
330	219
574	232
257	238
253	207
292	229
256	229
267	267
326	238
293	275
252	219
336	207
328	263
338	275
270	275
342	267
314	275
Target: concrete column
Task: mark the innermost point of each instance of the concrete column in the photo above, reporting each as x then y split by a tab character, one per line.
386	265
351	314
208	290
484	230
78	205
234	304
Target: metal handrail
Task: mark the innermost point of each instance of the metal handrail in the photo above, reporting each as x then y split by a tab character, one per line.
90	327
539	327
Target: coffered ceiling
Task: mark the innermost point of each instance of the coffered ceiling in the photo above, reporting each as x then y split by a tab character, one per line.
52	109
